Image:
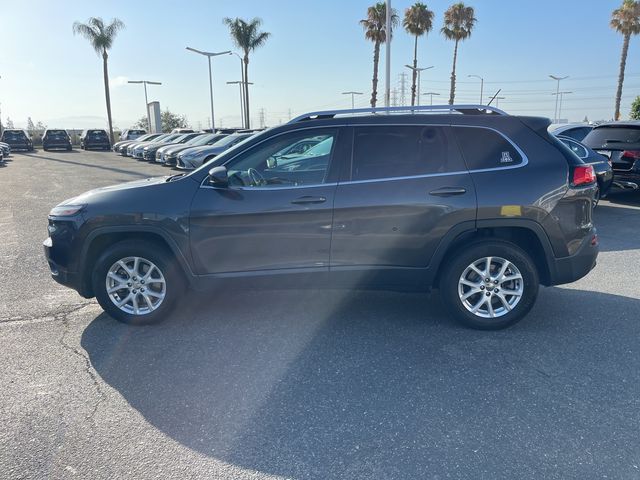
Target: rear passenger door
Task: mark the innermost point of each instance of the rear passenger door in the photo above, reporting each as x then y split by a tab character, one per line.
406	188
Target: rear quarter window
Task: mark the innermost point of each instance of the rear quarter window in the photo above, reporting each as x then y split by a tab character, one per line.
483	148
402	151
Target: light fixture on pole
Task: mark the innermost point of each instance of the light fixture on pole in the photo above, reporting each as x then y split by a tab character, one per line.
481	85
209	55
498	99
353	94
146	100
418	71
557	79
561	95
431	94
241	83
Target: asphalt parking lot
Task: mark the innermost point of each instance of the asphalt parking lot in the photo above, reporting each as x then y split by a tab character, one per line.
308	384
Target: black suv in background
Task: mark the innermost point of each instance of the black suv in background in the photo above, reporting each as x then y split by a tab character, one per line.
17	139
483	205
95	139
54	138
620	142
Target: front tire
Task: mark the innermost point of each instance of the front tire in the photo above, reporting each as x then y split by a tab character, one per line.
489	285
137	282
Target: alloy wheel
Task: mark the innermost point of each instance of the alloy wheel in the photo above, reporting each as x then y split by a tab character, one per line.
136	285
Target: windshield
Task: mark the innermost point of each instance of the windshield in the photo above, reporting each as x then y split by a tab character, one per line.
203	139
601	136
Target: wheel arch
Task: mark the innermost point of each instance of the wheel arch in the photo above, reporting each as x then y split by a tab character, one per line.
100	239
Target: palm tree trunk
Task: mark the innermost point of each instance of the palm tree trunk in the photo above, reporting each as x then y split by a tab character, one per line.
623	64
374	86
415	73
246	90
107	96
452	94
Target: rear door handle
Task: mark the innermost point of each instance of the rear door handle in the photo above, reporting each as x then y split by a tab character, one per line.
448	191
308	199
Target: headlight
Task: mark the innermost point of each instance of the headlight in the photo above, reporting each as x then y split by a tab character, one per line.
65	210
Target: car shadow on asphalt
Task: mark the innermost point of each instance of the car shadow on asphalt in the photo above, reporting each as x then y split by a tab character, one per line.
618	226
349	384
88	165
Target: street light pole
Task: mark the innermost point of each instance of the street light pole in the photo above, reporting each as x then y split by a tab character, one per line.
498	99
353	94
561	95
557	79
387	89
245	123
241	83
418	71
431	94
146	99
481	85
209	55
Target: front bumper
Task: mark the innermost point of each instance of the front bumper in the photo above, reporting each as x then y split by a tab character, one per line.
60	274
572	268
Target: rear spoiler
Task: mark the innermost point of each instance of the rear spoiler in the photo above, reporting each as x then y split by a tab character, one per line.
537	124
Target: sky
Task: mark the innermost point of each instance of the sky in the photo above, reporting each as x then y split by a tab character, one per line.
317	51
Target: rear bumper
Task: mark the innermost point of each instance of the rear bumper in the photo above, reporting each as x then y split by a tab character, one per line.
626	176
572	268
104	145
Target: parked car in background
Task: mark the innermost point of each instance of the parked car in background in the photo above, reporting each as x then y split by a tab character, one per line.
194	157
483	205
95	139
171	154
620	142
6	149
135	149
132	133
600	163
577	131
56	138
17	139
182	140
148	151
121	147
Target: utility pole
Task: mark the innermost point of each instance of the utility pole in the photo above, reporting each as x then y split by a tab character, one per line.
481	85
403	88
393	101
261	117
561	95
353	94
431	94
557	79
146	100
289	113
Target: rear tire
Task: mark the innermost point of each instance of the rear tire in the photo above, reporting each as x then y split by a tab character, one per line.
493	296
137	282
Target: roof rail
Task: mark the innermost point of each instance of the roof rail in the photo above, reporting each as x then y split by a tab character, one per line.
463	109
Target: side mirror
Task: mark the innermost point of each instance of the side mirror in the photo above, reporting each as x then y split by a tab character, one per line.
218	177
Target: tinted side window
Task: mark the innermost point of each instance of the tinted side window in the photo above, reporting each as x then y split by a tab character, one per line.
483	148
401	151
576	148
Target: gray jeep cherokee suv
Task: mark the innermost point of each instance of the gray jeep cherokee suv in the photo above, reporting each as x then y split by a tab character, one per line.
480	204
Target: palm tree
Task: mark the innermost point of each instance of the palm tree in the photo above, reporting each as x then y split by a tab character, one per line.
101	37
247	37
375	30
418	20
625	20
459	20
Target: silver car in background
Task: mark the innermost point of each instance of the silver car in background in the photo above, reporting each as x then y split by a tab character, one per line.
194	157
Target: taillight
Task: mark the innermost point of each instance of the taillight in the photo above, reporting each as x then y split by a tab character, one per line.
583	175
635	154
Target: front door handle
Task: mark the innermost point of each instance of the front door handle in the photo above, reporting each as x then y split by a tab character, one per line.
448	191
308	199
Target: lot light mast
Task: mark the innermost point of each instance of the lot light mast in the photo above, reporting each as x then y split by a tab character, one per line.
557	79
387	80
481	85
209	55
561	95
418	71
353	94
146	100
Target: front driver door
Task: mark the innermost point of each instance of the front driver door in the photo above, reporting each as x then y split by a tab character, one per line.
275	214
